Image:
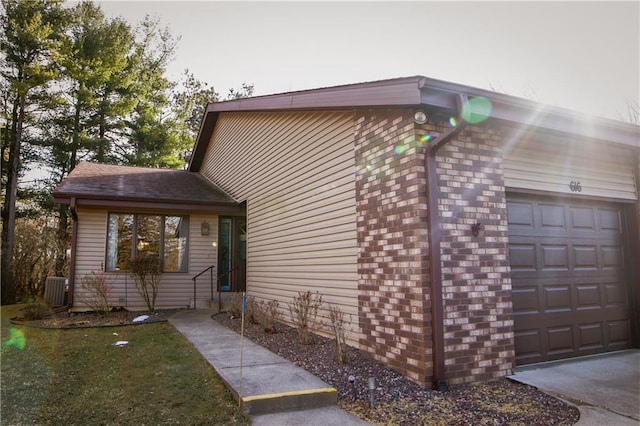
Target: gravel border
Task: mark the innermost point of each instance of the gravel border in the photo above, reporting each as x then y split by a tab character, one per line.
398	400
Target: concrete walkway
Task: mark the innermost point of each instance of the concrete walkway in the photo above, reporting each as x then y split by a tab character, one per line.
273	390
606	387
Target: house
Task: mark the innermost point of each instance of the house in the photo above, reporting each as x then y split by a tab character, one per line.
463	231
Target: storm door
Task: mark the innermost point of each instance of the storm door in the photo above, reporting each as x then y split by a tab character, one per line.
232	254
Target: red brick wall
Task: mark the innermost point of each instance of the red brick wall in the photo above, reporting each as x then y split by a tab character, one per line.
393	262
476	284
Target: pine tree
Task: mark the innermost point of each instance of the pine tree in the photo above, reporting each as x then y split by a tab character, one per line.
30	39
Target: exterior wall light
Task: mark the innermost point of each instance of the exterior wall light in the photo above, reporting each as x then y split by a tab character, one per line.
475	229
420	117
204	228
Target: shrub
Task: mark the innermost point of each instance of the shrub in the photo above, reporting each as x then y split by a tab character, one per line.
36	310
266	314
147	270
250	310
337	325
235	310
304	310
98	287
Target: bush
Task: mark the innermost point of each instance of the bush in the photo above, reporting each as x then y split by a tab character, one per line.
337	325
99	288
266	314
235	310
251	309
147	270
304	310
36	310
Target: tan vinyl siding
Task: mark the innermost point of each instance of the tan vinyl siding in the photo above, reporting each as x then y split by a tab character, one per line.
296	172
176	289
551	164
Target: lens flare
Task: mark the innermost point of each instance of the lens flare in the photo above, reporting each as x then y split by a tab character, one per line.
426	138
453	122
399	149
476	110
16	339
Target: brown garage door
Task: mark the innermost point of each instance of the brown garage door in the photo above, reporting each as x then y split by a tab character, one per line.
570	294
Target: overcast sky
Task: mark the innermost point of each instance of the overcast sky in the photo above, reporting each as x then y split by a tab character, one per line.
579	55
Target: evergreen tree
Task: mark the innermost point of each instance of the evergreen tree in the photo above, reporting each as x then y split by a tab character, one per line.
30	39
79	86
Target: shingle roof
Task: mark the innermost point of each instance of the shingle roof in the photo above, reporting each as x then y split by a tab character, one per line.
139	184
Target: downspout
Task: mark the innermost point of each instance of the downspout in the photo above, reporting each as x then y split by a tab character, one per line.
72	261
435	262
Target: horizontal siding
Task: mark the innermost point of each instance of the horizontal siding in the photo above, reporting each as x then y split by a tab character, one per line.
176	289
550	164
296	173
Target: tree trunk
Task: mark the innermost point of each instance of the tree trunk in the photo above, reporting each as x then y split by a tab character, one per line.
102	131
63	217
63	237
9	210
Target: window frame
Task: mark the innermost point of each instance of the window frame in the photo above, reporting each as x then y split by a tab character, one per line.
134	240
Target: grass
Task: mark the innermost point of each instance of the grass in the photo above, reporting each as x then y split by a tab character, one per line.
79	377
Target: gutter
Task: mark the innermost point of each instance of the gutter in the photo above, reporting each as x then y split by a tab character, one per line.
435	258
72	263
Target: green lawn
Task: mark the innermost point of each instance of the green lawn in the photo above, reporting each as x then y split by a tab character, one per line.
78	377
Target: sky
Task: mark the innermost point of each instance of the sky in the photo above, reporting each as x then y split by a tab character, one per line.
583	56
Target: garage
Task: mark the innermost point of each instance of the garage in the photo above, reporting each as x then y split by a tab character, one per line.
570	292
568	247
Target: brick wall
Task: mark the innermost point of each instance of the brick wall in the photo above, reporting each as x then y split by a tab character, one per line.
393	259
476	284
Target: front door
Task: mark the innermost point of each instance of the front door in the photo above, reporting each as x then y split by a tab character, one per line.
232	254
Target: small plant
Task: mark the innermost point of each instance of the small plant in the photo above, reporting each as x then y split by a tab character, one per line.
251	309
266	314
235	310
98	288
337	325
147	270
304	310
36	310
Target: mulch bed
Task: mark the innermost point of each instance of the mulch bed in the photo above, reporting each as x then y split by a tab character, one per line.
398	400
117	318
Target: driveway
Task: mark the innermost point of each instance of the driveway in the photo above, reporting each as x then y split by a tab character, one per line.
606	388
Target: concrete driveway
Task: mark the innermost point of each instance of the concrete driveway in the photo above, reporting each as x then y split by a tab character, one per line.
606	388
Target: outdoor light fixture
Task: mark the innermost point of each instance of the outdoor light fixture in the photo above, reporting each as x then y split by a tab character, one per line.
475	229
204	228
352	380
420	117
372	392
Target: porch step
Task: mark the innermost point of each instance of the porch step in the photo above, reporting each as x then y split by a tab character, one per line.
269	382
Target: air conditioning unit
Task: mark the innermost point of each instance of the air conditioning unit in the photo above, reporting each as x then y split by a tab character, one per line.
54	290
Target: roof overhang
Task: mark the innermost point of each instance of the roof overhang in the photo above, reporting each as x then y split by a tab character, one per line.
420	92
146	205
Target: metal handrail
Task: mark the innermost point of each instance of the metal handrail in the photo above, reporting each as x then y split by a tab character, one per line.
218	278
210	269
228	273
